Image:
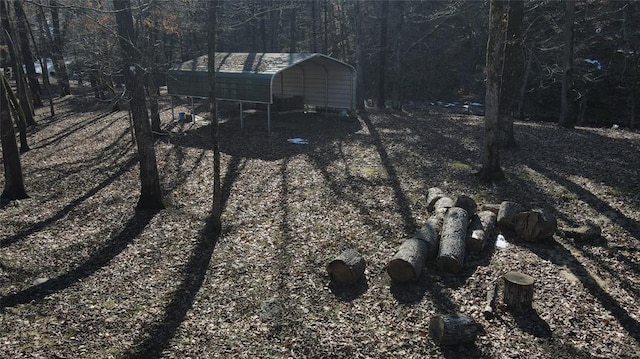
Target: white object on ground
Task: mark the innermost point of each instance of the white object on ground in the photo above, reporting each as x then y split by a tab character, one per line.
501	242
298	141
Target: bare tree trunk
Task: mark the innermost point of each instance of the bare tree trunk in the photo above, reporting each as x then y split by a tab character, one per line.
13	178
27	56
357	29
18	114
511	74
491	162
56	51
16	64
150	192
382	58
566	116
292	27
213	114
314	33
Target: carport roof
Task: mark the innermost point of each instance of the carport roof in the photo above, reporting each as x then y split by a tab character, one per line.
243	62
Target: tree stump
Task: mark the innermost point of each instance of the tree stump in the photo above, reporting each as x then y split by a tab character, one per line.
452	329
429	233
535	225
406	265
347	268
507	214
518	291
433	195
467	203
480	229
453	240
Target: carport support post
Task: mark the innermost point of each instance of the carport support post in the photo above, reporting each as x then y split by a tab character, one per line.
241	116
193	115
269	118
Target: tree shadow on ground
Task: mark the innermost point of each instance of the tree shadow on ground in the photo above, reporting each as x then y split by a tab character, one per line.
558	254
101	258
67	208
184	296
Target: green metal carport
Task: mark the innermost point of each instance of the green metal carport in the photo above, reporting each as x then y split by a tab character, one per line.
315	79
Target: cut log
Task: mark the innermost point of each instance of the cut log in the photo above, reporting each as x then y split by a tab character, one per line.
407	264
453	240
507	214
429	233
535	225
433	195
518	291
467	203
480	230
443	203
587	232
347	268
493	207
452	329
492	292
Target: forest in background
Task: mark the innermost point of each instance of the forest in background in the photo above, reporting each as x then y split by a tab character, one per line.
407	53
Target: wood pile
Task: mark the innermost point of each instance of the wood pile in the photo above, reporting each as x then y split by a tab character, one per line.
458	225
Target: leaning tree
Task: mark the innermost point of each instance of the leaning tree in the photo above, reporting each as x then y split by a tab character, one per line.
13	179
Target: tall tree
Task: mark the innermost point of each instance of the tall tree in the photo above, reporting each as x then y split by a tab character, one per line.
566	111
13	178
150	192
14	59
511	74
382	55
213	114
495	46
27	56
56	51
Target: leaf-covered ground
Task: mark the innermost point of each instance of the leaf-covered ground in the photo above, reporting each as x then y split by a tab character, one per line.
84	276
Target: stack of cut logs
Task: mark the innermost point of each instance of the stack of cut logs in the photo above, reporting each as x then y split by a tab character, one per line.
455	227
458	226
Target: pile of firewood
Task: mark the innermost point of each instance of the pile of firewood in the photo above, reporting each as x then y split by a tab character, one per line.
458	226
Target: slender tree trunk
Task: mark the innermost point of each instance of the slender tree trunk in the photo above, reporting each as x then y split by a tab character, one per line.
357	28
325	42
292	27
213	114
43	64
18	115
314	33
56	49
13	178
511	74
382	58
567	119
16	64
495	45
27	56
150	192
